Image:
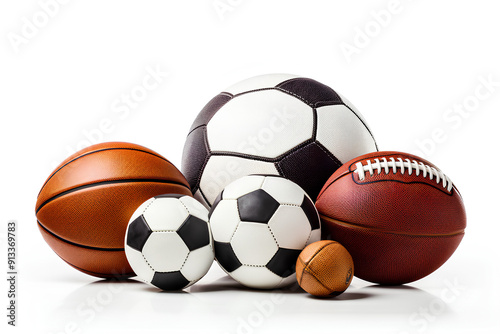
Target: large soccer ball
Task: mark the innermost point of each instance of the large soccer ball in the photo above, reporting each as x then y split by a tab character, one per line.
277	124
168	242
260	224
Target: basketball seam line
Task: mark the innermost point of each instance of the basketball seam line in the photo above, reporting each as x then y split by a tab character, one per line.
319	250
102	150
85	186
372	229
303	269
307	269
80	245
311	272
306	265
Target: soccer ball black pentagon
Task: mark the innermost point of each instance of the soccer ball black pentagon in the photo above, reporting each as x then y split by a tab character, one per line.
168	242
276	124
260	224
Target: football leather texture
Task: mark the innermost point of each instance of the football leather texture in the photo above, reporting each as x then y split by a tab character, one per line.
398	215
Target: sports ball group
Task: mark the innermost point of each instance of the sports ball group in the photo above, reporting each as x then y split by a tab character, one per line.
281	182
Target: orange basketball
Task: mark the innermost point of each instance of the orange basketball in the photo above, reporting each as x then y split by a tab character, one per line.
84	206
324	268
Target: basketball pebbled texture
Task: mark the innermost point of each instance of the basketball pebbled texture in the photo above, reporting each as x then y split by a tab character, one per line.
398	225
324	268
276	124
84	206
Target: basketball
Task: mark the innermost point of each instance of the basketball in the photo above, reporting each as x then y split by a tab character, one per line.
84	206
324	268
398	215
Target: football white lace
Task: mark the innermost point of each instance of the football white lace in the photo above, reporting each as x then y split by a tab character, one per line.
401	166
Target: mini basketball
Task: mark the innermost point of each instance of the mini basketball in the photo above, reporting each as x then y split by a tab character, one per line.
324	268
84	206
398	215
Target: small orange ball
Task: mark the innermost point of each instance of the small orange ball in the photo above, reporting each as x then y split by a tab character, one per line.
324	268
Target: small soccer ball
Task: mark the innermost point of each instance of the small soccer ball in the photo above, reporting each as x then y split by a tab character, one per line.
325	268
260	224
168	242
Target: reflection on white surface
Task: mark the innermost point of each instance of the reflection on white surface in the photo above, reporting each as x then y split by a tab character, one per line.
218	304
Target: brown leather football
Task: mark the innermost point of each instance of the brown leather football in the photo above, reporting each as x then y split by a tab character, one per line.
84	206
397	214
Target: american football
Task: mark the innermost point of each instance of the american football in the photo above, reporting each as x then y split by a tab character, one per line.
398	215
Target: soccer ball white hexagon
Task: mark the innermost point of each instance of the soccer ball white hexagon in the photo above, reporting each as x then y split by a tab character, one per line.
260	224
275	124
168	242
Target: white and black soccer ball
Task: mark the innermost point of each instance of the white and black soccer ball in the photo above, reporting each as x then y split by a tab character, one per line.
276	124
260	224
168	242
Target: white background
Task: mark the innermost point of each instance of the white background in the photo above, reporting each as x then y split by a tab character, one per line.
62	80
